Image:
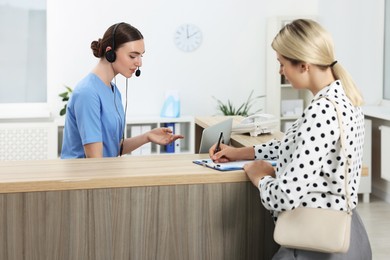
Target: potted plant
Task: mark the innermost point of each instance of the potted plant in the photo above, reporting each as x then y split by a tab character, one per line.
65	97
228	108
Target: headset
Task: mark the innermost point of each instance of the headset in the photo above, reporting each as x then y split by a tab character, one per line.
111	55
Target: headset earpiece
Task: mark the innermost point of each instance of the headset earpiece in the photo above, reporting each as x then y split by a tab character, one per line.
111	55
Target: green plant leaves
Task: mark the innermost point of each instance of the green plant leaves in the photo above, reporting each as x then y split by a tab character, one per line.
243	110
65	97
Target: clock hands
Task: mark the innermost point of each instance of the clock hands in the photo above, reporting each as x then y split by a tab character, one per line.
188	33
189	36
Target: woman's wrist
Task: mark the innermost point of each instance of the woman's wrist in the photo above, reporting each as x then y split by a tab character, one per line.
146	137
245	153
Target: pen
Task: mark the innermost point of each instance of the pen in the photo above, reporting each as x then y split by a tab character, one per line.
217	148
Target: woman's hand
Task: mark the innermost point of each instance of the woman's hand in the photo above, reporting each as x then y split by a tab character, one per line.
228	153
258	169
162	136
225	153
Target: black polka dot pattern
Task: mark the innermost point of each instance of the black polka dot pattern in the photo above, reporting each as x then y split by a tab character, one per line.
310	163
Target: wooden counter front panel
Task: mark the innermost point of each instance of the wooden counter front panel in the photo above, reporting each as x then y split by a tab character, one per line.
200	221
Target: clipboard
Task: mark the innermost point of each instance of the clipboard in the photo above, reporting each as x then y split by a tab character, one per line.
228	166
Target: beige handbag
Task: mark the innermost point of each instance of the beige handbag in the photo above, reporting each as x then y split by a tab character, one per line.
317	229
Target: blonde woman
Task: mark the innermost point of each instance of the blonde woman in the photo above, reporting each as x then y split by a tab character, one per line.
308	172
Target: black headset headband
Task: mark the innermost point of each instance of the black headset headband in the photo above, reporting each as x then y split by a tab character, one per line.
113	35
110	55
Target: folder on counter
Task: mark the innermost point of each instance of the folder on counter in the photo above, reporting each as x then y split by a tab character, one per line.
228	166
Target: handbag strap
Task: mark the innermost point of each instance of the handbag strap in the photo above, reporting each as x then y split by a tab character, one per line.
344	151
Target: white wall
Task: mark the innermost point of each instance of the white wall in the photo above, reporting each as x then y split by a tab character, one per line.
357	28
229	63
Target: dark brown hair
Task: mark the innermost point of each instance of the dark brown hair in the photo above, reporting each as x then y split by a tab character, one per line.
124	33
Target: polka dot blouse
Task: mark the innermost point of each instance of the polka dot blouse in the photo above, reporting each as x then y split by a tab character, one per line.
310	163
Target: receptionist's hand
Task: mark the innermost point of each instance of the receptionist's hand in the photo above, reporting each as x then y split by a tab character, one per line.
162	136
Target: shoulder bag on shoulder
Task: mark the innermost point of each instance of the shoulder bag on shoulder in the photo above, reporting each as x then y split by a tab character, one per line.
317	229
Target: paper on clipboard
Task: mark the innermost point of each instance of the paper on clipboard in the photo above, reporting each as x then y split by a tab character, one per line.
228	166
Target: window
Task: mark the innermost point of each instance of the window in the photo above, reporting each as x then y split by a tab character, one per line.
23	57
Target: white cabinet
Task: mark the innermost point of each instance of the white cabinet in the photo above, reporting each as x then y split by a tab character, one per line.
283	101
182	125
134	126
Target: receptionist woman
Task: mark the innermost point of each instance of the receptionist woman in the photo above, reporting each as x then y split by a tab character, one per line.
95	117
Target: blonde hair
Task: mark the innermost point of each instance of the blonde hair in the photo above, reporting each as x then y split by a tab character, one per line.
304	40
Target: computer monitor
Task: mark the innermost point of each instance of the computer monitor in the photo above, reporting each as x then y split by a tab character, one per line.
211	134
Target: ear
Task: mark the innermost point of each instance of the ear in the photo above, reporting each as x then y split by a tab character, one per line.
304	67
108	48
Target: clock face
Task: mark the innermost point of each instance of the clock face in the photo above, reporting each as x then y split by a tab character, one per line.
188	37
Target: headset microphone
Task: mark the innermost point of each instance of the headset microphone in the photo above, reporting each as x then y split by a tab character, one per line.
138	72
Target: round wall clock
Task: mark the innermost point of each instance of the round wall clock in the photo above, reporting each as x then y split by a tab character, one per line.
188	37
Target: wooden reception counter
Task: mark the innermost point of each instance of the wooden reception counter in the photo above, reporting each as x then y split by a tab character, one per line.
145	207
128	171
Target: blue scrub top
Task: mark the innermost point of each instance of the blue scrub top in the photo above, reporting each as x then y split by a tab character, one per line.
94	114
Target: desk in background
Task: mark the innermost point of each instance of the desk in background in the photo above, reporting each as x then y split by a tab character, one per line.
237	140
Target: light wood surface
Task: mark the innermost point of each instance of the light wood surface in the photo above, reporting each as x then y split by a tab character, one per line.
206	121
127	171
